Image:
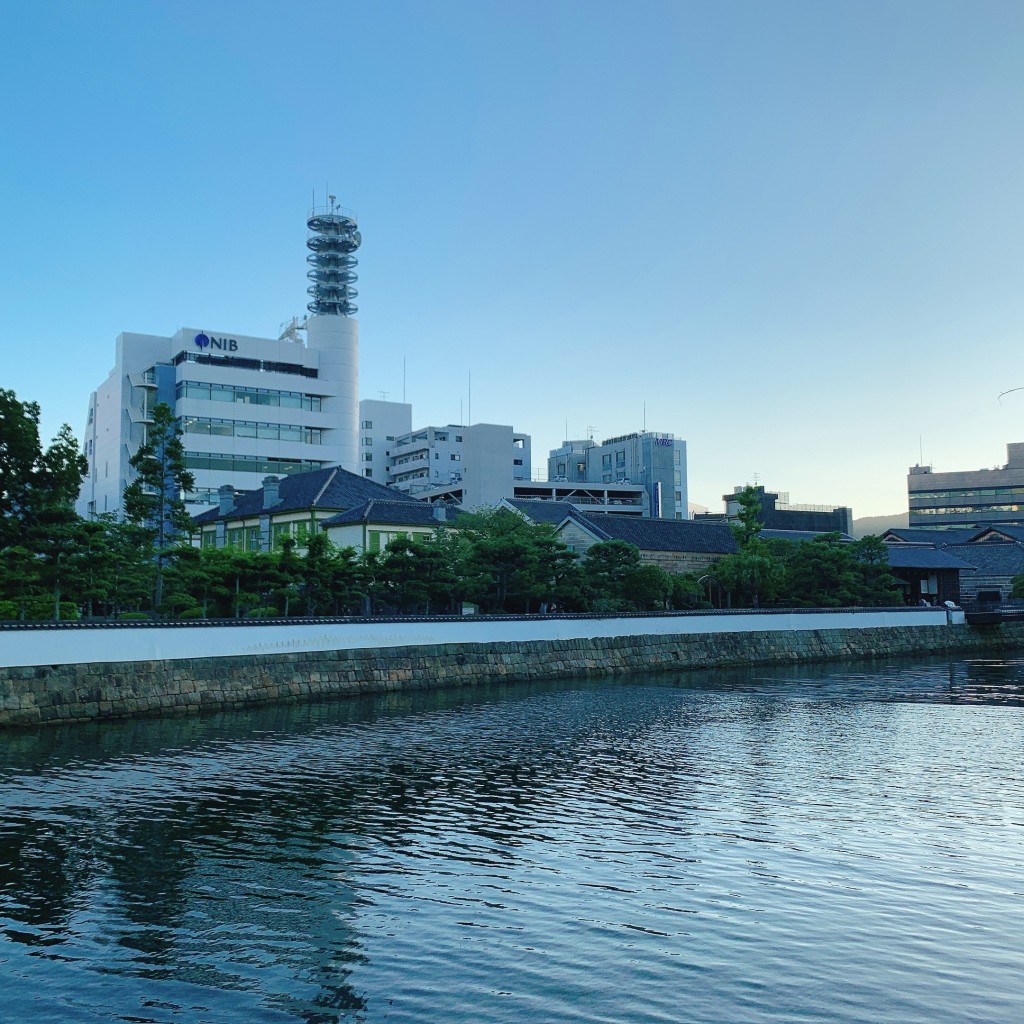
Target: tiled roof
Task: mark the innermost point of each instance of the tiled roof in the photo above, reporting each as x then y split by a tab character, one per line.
662	534
995	558
1015	533
389	512
924	556
799	535
328	489
940	538
538	510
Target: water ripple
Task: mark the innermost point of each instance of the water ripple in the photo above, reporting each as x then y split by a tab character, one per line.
834	845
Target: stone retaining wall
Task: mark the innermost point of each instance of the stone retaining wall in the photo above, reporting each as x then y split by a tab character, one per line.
76	693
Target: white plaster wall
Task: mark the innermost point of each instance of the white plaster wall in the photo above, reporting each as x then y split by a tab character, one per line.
146	643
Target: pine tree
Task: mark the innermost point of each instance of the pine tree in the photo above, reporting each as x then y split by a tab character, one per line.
153	500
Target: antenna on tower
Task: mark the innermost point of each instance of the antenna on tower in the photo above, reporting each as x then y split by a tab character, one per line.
333	240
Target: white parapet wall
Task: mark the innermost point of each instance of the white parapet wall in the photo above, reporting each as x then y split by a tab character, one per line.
140	643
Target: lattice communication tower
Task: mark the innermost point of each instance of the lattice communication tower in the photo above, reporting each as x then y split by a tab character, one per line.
333	240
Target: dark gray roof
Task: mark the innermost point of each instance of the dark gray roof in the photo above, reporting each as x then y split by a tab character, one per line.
1015	533
940	538
992	558
662	534
924	556
389	512
539	510
799	535
329	489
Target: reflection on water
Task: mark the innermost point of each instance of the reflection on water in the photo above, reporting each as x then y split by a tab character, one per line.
817	844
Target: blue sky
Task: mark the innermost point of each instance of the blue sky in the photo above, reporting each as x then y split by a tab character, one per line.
793	231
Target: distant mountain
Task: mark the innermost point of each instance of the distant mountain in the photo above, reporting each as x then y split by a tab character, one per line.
879	524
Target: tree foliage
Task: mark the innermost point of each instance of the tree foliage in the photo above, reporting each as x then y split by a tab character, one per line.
154	499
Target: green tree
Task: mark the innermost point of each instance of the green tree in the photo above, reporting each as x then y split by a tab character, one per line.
153	500
33	482
512	564
753	576
21	580
748	524
648	588
20	455
607	567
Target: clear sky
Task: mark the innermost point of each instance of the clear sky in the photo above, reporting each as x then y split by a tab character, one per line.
793	231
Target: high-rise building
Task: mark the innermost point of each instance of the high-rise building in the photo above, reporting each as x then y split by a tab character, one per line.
248	406
973	497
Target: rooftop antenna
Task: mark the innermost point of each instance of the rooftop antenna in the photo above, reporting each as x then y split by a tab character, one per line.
469	399
403	380
383	395
920	448
590	431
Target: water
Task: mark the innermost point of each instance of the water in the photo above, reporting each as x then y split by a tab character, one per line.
833	845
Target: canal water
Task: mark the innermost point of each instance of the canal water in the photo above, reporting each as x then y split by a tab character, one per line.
825	845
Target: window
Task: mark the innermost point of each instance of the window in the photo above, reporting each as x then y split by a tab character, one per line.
437	455
677	456
518	443
247	396
607	478
458	437
456	457
367	441
366	425
367	472
620	458
517	462
367	456
248	464
560	469
606	461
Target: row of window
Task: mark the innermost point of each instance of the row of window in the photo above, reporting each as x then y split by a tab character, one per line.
981	493
243	363
247	538
249	464
246	428
965	510
247	396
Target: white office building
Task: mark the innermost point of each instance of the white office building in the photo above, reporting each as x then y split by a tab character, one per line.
248	407
655	461
380	424
474	466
